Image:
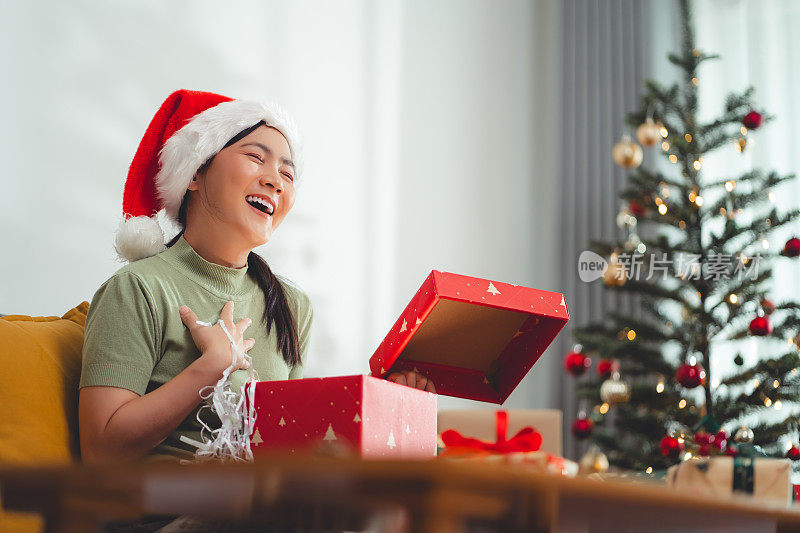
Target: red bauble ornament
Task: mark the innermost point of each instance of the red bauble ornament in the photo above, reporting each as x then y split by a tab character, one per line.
704	450
605	367
753	120
732	450
720	440
671	447
703	437
793	453
637	208
767	306
576	363
792	247
760	326
690	376
582	428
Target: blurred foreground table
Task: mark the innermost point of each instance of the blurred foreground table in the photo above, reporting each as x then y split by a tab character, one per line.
325	493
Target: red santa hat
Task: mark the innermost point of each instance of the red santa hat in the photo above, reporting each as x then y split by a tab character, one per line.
188	129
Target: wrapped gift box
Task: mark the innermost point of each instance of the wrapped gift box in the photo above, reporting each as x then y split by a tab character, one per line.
764	479
523	448
481	424
474	338
363	415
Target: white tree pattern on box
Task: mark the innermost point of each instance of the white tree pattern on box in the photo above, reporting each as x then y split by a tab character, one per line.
329	435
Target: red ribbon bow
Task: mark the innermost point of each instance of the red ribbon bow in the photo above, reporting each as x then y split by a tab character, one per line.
526	440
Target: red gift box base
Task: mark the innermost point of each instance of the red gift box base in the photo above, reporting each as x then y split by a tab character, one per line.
370	417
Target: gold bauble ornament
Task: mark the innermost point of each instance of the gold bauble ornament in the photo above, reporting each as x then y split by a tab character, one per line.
743	435
741	144
615	275
614	391
626	219
648	133
627	153
593	462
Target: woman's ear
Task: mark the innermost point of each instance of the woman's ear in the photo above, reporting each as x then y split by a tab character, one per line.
194	185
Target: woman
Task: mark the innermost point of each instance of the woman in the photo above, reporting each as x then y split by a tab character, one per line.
226	172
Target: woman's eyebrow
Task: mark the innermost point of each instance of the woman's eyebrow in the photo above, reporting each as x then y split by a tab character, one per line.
266	149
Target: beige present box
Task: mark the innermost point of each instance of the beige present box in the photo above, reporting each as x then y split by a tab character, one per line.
762	478
481	424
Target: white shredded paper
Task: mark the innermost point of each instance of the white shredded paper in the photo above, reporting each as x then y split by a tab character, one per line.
231	441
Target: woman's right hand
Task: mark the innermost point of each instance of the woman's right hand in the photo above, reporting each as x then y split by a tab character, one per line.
213	343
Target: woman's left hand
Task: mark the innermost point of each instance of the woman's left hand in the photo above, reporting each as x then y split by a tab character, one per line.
412	379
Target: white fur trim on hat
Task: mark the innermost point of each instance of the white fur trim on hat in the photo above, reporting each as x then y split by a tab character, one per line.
139	237
205	135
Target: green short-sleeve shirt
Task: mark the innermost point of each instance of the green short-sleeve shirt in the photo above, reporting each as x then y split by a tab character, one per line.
134	337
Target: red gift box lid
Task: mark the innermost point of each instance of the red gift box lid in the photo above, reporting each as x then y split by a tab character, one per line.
474	338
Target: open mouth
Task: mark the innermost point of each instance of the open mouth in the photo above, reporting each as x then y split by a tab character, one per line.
264	207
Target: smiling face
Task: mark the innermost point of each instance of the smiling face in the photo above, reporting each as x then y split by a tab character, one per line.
227	201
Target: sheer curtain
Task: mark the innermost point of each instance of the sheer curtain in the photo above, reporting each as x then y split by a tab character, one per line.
430	142
760	46
606	48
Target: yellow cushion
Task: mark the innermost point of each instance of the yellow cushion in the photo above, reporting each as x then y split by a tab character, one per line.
40	365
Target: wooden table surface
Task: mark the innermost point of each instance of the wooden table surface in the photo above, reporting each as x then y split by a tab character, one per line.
330	493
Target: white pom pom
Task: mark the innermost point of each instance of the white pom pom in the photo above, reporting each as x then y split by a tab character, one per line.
139	237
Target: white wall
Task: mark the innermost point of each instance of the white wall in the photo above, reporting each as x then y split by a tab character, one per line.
430	141
478	149
86	78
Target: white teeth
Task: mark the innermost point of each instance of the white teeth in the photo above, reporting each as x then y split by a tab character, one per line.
261	201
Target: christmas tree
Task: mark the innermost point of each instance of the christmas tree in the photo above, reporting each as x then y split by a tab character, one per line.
699	272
